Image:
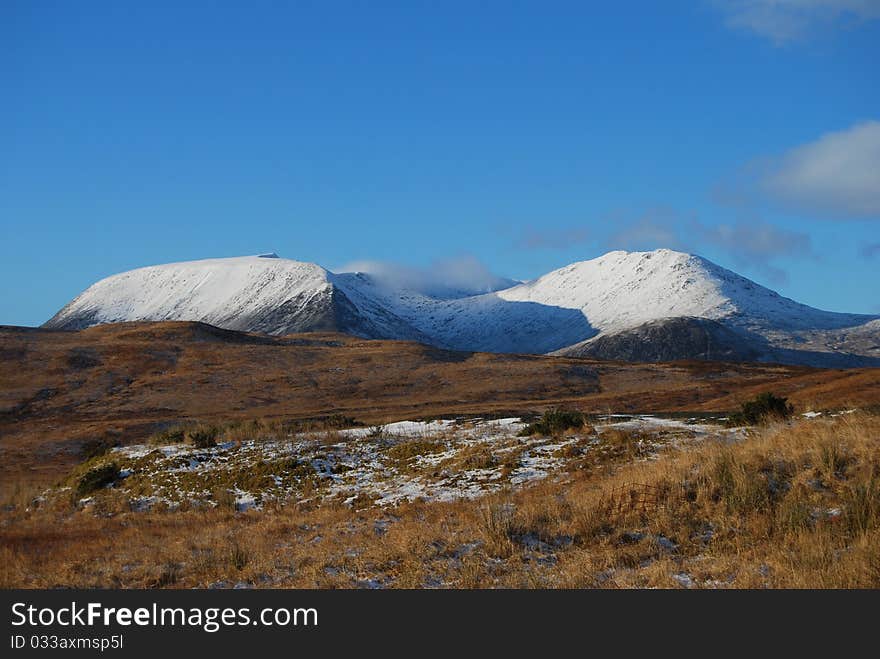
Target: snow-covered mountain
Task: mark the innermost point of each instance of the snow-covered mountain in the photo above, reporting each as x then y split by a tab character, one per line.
252	293
621	306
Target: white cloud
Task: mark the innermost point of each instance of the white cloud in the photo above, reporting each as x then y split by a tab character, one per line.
444	278
788	20
838	175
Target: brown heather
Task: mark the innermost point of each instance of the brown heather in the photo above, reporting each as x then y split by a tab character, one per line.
792	505
66	395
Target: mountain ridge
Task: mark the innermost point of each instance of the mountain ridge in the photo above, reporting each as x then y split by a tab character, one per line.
595	307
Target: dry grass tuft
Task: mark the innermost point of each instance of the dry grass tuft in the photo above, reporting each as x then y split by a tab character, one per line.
795	506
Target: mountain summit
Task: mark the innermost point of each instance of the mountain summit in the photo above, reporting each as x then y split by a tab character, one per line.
638	306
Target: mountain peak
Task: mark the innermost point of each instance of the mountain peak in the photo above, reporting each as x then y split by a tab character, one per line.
612	295
624	256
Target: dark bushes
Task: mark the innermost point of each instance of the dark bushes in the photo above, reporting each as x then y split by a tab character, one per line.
200	436
203	436
761	409
96	478
174	435
554	422
94	448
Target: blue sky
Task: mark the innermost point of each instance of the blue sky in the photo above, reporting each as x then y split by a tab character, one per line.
527	135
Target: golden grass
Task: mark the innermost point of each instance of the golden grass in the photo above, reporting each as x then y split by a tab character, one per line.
790	506
139	378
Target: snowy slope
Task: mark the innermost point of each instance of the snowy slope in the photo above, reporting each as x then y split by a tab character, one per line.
615	292
624	289
561	311
253	293
215	291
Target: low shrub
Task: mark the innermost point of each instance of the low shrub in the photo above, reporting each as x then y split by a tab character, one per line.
624	443
96	478
175	435
555	422
95	448
203	436
761	409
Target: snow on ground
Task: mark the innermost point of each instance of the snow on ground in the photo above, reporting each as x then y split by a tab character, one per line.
438	460
693	427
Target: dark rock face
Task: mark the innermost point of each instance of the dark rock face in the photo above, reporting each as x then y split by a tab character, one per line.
291	316
670	339
60	321
330	311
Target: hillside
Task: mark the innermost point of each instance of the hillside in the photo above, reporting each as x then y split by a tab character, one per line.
60	390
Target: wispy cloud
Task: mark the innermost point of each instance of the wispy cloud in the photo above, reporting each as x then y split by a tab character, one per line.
753	242
871	251
446	277
552	238
653	230
756	244
783	21
838	175
757	240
